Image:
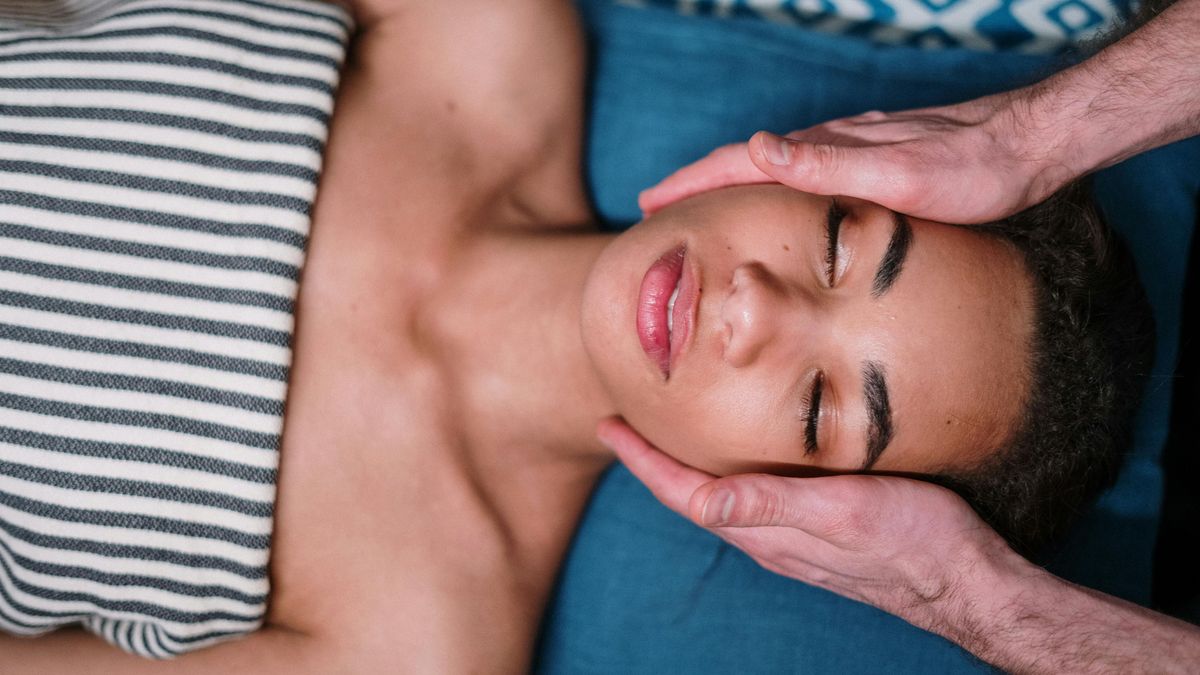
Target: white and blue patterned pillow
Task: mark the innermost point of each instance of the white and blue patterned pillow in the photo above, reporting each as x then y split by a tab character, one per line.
1030	26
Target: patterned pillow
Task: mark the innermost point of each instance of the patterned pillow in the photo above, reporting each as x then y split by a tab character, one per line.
1030	26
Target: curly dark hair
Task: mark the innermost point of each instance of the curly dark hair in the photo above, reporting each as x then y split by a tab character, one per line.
1090	356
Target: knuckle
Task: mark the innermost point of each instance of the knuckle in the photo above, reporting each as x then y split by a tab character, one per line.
766	507
862	522
816	160
902	177
841	525
825	154
855	516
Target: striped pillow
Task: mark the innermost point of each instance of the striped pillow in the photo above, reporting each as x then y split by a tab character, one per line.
158	162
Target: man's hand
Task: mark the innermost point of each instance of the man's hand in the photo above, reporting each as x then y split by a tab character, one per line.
973	162
917	551
902	545
986	159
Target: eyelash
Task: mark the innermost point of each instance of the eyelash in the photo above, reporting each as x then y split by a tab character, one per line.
833	225
812	400
812	412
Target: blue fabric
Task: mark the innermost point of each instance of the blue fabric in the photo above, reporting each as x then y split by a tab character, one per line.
644	591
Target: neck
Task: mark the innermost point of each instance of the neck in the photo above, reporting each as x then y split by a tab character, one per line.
508	332
503	327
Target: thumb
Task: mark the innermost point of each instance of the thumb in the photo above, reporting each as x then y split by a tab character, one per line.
819	168
826	507
750	500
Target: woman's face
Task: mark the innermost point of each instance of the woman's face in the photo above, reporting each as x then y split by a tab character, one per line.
810	333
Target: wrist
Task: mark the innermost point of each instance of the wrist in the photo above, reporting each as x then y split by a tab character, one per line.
993	590
1053	135
1135	95
1036	145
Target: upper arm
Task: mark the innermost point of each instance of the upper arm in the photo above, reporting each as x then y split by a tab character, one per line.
445	105
493	76
266	652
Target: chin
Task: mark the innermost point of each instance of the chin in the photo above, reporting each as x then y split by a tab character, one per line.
607	321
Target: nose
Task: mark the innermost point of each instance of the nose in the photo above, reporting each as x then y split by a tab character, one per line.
756	309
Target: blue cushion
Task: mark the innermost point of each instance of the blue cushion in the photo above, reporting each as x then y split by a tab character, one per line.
643	590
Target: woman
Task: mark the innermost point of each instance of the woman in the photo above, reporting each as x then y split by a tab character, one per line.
462	329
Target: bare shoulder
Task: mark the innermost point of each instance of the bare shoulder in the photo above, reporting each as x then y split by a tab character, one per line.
464	96
479	60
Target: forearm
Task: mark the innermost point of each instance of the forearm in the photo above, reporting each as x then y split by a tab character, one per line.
1138	93
1023	619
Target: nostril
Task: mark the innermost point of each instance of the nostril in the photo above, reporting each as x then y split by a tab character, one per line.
737	318
746	313
726	309
741	274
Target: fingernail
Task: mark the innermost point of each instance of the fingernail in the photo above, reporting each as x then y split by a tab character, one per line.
717	507
777	149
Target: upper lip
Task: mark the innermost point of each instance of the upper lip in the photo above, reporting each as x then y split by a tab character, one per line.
686	306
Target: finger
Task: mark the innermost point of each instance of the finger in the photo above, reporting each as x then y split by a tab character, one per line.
723	167
775	543
787	551
670	481
826	168
828	507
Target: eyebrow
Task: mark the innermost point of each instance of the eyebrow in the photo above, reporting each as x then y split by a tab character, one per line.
879	412
893	258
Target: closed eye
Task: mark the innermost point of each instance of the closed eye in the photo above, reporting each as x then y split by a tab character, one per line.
812	413
833	226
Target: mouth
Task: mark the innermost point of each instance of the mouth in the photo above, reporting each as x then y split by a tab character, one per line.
666	309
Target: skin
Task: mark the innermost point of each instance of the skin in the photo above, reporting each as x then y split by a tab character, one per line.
769	321
439	435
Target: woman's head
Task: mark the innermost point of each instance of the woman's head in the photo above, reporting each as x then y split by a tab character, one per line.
1090	358
811	335
911	356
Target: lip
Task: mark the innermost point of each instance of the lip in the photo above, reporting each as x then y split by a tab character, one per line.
686	305
664	346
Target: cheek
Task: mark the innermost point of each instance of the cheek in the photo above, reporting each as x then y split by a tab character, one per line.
722	429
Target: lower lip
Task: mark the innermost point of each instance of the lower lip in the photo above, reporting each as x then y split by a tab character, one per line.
661	344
